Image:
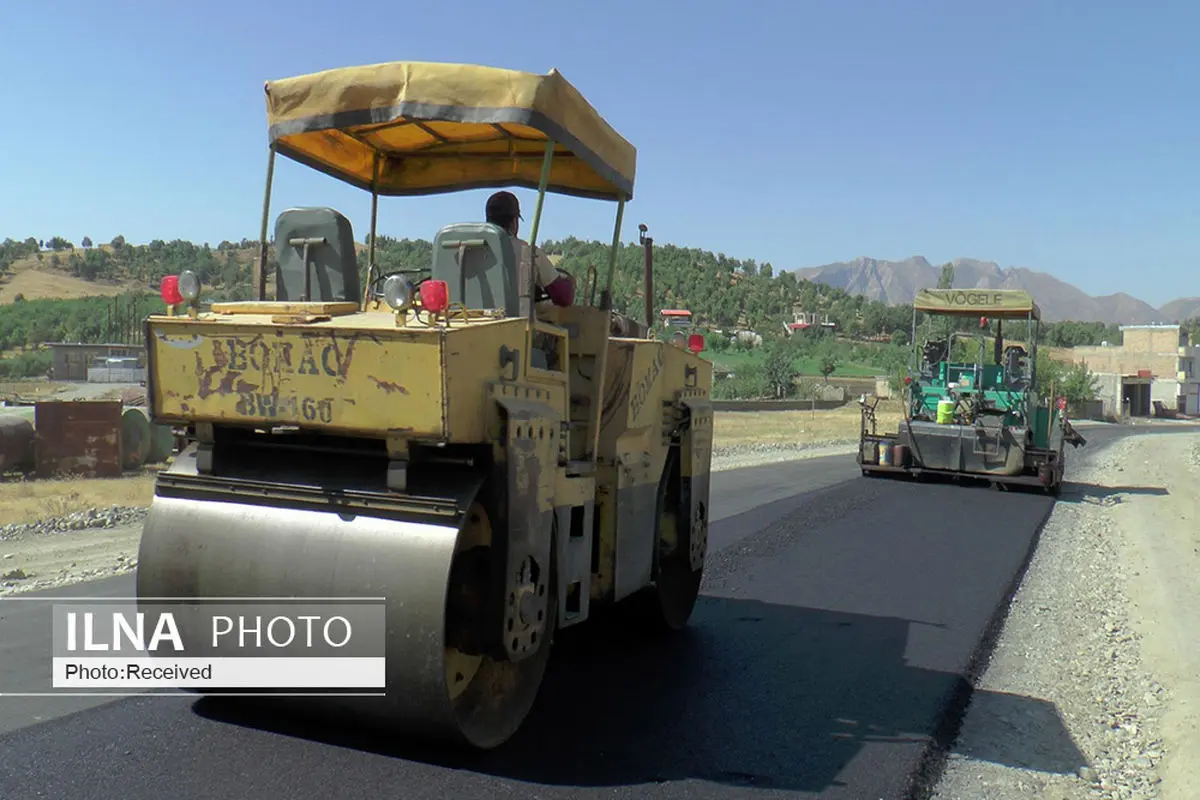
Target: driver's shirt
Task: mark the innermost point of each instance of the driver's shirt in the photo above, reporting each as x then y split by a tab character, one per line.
546	274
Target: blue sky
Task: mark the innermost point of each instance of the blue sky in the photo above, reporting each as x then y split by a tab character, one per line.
1056	136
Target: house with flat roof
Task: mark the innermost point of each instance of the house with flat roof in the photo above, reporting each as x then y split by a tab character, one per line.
1152	364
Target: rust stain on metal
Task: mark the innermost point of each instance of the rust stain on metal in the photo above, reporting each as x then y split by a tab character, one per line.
81	437
236	361
205	375
388	386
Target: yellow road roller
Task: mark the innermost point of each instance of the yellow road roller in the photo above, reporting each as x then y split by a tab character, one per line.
495	465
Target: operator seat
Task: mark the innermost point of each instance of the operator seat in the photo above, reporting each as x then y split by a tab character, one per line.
332	260
1016	359
478	262
936	351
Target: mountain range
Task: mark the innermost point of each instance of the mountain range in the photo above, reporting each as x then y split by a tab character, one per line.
897	282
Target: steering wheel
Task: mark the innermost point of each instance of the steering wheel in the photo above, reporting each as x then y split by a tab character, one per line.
540	294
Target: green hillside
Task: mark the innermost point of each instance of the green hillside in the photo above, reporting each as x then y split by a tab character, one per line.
724	294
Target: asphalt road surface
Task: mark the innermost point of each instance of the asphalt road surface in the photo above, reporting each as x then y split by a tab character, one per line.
831	655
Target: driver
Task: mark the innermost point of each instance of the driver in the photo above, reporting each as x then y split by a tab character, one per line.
504	210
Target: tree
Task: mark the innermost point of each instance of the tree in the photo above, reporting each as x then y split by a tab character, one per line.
945	326
780	368
828	365
716	342
1077	383
946	279
1049	372
87	241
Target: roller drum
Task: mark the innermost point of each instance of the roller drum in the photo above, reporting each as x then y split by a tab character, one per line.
208	548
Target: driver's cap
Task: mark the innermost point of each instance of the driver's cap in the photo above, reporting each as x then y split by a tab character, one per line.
503	205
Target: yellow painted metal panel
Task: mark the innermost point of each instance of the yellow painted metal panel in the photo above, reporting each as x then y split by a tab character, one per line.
475	357
645	388
339	378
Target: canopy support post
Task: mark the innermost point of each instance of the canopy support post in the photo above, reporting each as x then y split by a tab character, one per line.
602	359
547	160
260	274
374	217
606	297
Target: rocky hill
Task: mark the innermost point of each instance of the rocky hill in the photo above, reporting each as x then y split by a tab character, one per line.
896	283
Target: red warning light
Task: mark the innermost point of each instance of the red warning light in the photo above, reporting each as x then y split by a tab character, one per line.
169	289
435	296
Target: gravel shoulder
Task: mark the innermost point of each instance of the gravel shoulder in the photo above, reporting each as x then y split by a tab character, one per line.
69	549
1101	632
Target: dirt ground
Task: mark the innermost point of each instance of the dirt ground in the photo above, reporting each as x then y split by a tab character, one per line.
838	425
45	561
1094	687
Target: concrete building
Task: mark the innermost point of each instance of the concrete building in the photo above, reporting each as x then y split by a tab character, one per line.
116	369
71	360
1153	363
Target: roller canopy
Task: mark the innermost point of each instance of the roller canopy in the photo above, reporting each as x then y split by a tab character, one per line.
448	127
992	303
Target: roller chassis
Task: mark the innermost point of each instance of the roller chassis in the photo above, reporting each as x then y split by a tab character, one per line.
494	467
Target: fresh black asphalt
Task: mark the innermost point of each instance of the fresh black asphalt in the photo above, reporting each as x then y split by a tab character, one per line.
830	655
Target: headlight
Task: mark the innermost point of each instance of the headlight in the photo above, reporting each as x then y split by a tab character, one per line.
397	292
189	285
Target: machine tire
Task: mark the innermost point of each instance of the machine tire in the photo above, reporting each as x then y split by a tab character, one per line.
1055	489
667	604
491	709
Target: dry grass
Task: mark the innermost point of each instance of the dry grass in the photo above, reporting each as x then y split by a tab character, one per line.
740	428
28	500
39	281
33	389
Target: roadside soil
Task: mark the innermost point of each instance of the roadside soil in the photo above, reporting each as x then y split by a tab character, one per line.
47	561
1093	689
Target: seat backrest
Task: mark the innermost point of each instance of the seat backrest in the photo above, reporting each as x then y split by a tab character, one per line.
478	262
332	265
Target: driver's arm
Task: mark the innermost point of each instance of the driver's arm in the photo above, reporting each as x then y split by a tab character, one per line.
560	287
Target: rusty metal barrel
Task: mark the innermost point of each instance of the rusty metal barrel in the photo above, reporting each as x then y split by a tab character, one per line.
160	439
16	443
135	438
